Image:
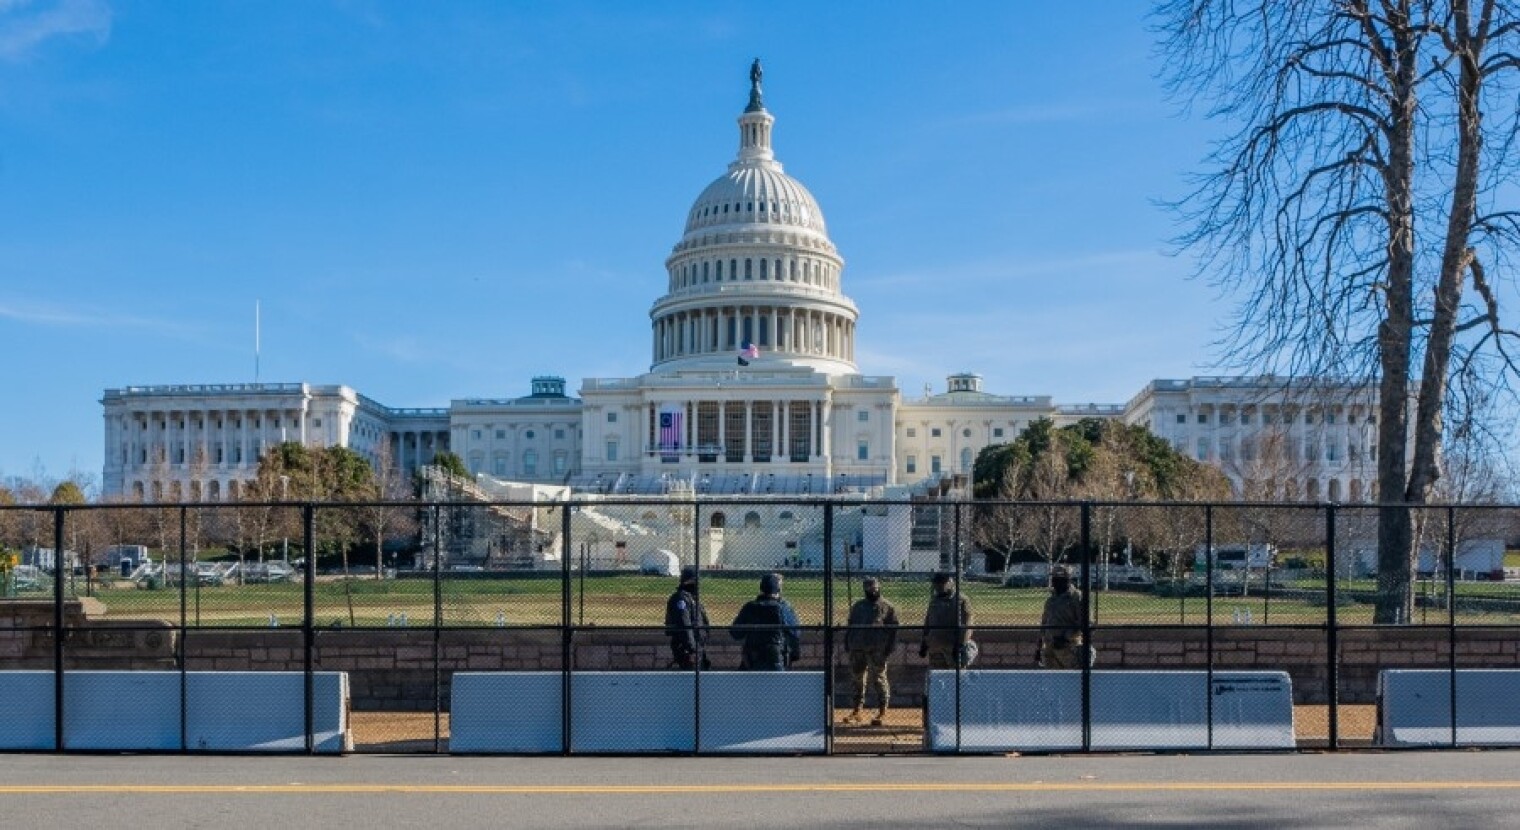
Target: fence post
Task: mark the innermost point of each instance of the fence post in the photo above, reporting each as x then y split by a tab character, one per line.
1451	614
1208	617
58	673
565	621
1086	626
438	592
437	634
696	690
1332	631
955	568
184	693
828	627
308	624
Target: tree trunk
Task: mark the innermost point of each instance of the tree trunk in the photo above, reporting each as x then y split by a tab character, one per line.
1395	596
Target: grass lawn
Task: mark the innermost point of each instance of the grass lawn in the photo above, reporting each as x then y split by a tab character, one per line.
634	600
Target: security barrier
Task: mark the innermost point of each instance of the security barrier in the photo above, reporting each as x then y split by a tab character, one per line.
1423	708
999	711
479	626
165	711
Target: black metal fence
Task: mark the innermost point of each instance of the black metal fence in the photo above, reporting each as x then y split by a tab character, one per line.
541	627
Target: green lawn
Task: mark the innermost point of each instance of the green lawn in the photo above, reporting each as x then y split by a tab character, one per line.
632	600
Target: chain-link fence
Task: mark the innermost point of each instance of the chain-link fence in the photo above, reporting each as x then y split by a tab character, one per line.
731	626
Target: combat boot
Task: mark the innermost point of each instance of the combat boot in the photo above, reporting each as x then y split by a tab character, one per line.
881	715
857	715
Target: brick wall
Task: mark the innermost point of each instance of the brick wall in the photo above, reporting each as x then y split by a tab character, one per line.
393	669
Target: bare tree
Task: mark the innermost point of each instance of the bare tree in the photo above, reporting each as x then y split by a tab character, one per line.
391	485
1354	209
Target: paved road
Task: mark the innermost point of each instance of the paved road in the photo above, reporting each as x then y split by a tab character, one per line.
1447	790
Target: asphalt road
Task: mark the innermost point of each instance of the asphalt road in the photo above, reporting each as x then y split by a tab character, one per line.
1447	790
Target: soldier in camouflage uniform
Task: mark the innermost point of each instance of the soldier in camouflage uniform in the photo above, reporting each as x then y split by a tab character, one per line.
947	627
1061	645
870	640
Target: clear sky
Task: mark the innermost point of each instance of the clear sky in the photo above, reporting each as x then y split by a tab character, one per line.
439	200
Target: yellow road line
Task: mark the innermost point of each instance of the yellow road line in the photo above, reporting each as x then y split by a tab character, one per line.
732	789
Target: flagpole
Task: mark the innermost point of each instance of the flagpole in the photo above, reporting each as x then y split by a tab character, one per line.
255	342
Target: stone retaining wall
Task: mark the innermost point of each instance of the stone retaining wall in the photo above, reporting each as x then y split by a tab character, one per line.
393	669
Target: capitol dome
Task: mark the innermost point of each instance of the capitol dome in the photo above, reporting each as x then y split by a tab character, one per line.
755	194
754	265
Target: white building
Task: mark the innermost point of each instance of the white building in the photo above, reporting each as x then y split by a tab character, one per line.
754	265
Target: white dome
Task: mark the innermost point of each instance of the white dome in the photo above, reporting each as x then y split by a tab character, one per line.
756	192
754	271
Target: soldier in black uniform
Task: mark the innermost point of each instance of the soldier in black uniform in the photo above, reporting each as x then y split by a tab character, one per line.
686	623
767	626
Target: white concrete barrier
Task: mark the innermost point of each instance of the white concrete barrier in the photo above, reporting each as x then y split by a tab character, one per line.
742	712
763	711
1414	707
249	711
1002	710
632	711
506	712
140	711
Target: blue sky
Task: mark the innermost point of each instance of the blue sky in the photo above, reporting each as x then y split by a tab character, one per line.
440	200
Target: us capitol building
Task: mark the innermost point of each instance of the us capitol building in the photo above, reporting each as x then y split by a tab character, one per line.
754	265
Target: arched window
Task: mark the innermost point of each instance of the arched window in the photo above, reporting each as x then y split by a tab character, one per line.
1335	489
530	462
752	519
137	490
718	521
966	460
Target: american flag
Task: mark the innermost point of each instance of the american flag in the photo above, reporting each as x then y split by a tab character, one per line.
748	353
670	433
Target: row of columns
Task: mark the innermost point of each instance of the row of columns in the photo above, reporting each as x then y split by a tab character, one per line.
774	328
140	435
817	438
797	270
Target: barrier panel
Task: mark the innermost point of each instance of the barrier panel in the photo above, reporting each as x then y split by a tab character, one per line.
1042	711
1414	707
506	712
121	711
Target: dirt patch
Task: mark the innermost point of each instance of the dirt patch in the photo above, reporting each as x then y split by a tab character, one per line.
901	731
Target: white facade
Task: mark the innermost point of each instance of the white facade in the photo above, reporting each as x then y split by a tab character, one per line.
1273	438
754	265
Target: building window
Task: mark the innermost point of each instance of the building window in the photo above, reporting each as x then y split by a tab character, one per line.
997	432
912	433
530	463
317	422
1245	418
559	435
934	464
561	461
1203	418
863	416
500	434
501	464
863	450
965	433
528	435
912	463
934	433
475	434
1181	418
1203	449
966	460
611	417
612	450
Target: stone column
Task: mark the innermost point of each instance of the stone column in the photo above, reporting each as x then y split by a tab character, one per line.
749	431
